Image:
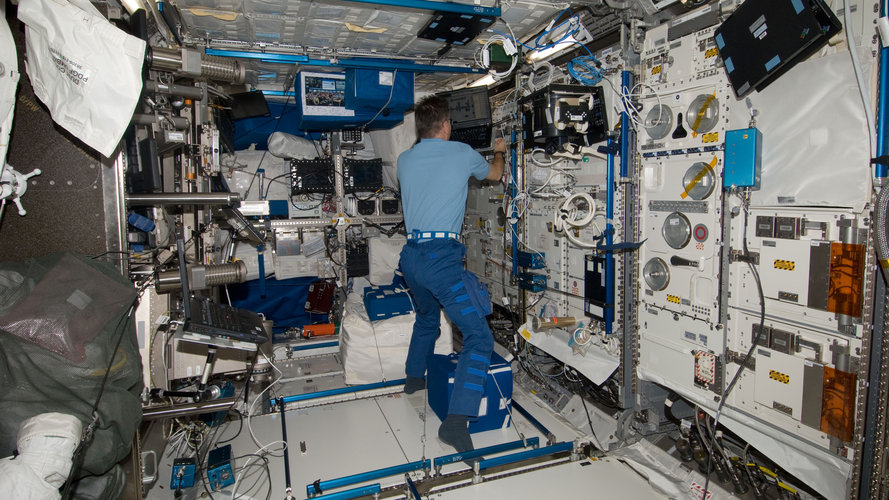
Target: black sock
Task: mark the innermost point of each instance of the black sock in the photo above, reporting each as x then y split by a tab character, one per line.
455	432
414	384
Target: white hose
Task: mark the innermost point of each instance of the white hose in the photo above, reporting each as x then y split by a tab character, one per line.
565	219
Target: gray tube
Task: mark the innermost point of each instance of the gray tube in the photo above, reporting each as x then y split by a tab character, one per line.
180	90
172	411
178	122
161	199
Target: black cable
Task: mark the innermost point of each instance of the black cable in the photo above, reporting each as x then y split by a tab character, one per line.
588	419
240	428
86	440
262	158
391	92
269	187
111	251
753	345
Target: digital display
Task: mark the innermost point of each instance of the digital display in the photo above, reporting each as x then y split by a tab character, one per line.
322	91
323	94
469	106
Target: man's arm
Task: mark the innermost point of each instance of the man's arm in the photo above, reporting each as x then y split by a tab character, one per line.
496	171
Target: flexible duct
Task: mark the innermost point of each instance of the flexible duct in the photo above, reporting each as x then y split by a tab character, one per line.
200	277
881	218
193	63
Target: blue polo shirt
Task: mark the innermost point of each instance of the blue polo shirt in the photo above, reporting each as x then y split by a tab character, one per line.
434	177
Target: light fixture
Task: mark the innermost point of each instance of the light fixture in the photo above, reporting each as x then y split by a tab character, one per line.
539	55
485	80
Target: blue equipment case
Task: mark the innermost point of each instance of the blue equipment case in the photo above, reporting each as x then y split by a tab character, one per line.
219	468
383	302
494	409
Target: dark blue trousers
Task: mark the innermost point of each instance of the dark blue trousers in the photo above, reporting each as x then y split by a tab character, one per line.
434	273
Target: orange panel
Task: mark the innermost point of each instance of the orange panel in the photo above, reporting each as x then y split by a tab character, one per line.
838	404
846	290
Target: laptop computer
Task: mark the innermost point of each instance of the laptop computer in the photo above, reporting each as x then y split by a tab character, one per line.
470	113
211	323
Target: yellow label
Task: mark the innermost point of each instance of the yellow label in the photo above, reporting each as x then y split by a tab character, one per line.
657	69
785	265
711	53
525	333
780	377
673	298
711	137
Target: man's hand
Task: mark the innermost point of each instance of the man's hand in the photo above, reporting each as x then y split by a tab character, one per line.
500	146
496	171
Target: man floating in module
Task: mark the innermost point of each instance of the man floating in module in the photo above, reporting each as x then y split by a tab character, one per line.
434	177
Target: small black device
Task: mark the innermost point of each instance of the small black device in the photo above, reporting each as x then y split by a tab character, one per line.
249	105
763	39
311	176
362	175
455	28
389	206
470	113
357	260
559	114
595	292
367	207
143	169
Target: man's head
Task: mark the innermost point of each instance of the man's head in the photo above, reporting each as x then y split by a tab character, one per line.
431	115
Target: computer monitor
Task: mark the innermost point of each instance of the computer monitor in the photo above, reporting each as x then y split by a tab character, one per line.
323	94
470	113
468	107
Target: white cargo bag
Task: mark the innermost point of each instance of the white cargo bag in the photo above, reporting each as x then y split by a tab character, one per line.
376	351
86	71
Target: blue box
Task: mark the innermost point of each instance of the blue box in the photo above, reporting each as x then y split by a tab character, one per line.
494	409
531	260
373	90
383	302
219	468
743	158
183	474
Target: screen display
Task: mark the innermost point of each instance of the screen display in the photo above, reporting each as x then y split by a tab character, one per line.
324	94
322	91
469	106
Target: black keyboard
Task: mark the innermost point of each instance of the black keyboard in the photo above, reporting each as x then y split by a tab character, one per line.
210	318
478	137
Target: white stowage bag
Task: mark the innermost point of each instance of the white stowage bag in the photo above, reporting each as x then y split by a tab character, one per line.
376	351
383	256
45	445
284	145
86	71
